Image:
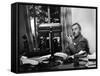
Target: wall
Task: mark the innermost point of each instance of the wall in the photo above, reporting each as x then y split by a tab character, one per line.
87	19
5	39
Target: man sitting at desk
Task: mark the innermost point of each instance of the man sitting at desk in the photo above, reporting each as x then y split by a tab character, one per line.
77	48
78	45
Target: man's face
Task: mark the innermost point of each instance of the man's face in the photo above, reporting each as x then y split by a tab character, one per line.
75	30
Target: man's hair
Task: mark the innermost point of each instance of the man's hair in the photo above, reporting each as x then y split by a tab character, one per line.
77	25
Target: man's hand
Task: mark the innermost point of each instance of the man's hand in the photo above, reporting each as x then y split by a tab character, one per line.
69	39
72	56
81	52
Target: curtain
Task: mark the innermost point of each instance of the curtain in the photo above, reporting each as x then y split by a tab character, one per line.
66	22
28	29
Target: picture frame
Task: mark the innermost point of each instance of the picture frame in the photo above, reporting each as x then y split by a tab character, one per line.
39	37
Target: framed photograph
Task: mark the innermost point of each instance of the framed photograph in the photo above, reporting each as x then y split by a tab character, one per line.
53	37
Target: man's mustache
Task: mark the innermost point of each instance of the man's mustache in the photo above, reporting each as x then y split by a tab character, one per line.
73	33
